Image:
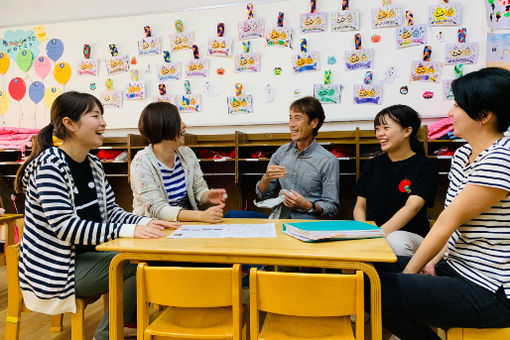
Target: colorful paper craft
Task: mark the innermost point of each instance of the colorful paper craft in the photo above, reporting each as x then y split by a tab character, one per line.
247	62
190	103
169	71
445	14
327	93
62	72
165	99
117	64
345	21
14	41
181	41
498	50
359	59
240	104
498	14
196	68
24	60
135	90
50	95
36	91
251	29
219	47
4	102
149	46
447	89
461	53
111	98
367	94
313	22
414	35
303	62
387	16
88	67
428	71
279	36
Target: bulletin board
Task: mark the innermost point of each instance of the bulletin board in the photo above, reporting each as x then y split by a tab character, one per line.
268	91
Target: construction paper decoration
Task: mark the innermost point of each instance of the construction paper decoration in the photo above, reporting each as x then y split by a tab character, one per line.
345	21
359	59
251	29
498	47
42	66
219	47
181	41
445	14
62	73
190	103
54	49
313	22
390	75
88	67
408	36
117	64
269	93
247	62
327	93
461	53
135	90
111	98
169	71
4	63
196	68
447	89
387	16
50	95
15	41
209	89
367	94
166	99
240	104
280	36
40	33
428	71
149	46
303	62
36	91
4	102
24	60
17	88
498	14
428	95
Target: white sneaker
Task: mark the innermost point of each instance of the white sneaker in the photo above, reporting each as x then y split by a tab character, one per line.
129	332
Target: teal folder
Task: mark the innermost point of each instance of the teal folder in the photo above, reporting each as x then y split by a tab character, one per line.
331	230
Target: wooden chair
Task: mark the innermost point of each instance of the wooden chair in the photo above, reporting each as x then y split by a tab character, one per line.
15	303
306	306
204	303
478	333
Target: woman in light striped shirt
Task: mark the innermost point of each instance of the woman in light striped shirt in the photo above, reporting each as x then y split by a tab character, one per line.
460	275
166	178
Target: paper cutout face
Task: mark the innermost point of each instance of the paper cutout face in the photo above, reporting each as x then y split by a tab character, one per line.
387	16
210	90
359	59
111	98
88	67
240	104
390	75
251	29
313	22
428	71
447	89
135	90
169	71
118	64
327	93
269	93
445	14
279	36
461	53
367	94
498	14
303	62
181	41
190	103
149	46
247	62
344	21
196	68
408	36
219	47
15	41
498	50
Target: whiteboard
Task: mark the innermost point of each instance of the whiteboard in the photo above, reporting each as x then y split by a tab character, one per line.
126	31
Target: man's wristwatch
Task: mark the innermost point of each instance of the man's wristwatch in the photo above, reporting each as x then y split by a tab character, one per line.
313	209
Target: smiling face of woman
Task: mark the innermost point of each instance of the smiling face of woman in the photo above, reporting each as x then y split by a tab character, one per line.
391	135
463	125
88	131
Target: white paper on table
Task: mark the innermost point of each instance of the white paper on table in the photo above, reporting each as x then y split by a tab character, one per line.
270	202
265	230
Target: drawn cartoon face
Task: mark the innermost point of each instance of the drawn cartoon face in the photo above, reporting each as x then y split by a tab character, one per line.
354	59
450	12
390	74
300	62
382	15
332	60
274	34
269	93
277	71
404	90
421	69
405	34
309	21
439	12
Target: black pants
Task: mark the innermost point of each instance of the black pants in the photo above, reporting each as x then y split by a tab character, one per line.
413	302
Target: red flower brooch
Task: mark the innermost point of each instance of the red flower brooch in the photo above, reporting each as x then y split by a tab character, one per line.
405	186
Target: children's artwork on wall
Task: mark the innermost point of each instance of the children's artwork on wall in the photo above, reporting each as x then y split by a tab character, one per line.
359	59
390	75
166	99
498	14
117	64
367	94
327	93
209	89
181	41
461	53
62	73
149	46
50	95
240	104
54	49
445	14
88	67
135	90
247	62
387	16
111	98
269	93
428	71
345	21
447	89
196	68
498	50
251	29
305	61
169	71
279	36
313	22
219	47
15	41
414	35
190	103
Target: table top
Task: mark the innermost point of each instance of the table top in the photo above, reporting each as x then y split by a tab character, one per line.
282	246
8	217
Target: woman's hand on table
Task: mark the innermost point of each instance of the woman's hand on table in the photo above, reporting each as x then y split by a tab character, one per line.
154	229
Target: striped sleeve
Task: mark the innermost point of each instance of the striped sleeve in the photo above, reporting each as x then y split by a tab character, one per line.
493	170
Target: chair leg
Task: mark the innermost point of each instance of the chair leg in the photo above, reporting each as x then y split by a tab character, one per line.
56	325
77	321
12	322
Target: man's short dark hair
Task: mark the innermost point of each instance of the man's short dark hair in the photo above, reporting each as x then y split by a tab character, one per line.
312	108
160	121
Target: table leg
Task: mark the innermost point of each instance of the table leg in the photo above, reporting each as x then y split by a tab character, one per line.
375	300
116	292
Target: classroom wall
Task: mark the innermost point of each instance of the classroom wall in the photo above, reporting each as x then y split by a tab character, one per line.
126	31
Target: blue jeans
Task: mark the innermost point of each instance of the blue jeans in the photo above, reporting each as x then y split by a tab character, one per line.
413	302
244	214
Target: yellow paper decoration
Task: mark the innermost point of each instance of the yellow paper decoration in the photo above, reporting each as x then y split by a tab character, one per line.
62	73
4	63
4	102
50	95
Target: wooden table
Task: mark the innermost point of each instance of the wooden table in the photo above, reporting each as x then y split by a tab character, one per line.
282	250
10	221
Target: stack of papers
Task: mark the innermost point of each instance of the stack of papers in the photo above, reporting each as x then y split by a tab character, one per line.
265	230
331	230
